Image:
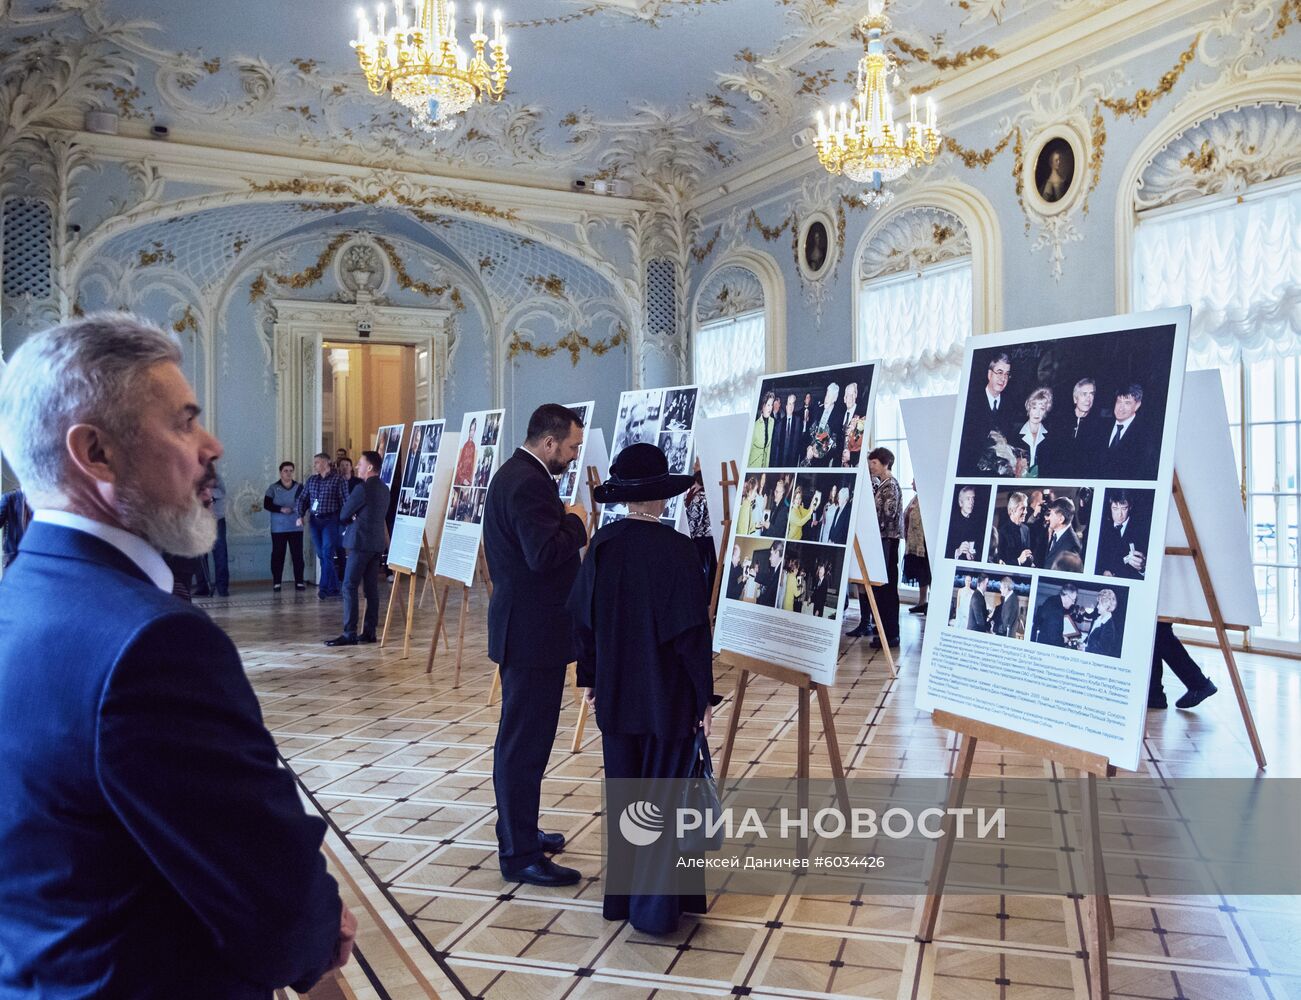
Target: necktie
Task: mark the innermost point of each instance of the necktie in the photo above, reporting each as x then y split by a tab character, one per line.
996	404
1116	435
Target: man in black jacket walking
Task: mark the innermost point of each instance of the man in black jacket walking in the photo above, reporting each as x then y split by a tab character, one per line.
365	538
531	542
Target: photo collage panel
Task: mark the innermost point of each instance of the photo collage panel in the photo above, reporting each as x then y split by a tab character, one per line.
388	442
568	482
418	472
476	461
1071	431
665	418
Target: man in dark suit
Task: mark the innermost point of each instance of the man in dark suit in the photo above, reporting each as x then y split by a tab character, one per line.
978	609
365	538
1122	540
1132	449
769	575
844	517
150	843
532	542
1008	615
1013	539
1062	538
1074	446
788	436
986	412
1050	617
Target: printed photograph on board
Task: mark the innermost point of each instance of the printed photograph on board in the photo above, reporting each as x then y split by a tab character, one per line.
1086	407
991	603
1088	617
821	507
569	480
1041	527
1123	533
755	574
811	420
476	462
666	419
967	518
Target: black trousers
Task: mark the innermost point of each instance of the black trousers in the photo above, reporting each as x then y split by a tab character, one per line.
362	572
294	540
1168	648
887	594
648	757
531	693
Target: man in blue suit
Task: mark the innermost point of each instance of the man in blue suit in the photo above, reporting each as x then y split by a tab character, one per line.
150	843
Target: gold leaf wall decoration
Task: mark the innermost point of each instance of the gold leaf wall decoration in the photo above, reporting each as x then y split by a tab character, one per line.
1141	103
573	342
404	277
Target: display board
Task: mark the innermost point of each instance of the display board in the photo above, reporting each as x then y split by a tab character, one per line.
597	455
1209	478
571	480
718	440
928	423
388	442
803	478
664	417
1043	611
476	461
419	473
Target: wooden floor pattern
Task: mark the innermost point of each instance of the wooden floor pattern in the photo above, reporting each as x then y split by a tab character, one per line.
400	765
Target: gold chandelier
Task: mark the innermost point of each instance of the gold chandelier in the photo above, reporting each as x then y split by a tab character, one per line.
861	139
423	67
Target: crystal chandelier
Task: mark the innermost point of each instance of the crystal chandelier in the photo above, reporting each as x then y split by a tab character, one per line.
423	67
861	139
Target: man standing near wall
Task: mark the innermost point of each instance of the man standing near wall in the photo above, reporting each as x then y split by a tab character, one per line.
532	543
365	537
322	497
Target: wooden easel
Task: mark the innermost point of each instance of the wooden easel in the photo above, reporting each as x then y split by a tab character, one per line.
863	580
804	687
481	567
399	574
1096	908
729	479
1193	551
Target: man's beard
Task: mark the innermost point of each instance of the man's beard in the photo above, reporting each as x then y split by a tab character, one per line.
189	531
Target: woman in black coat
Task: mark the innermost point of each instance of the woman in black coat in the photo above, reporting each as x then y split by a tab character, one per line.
641	615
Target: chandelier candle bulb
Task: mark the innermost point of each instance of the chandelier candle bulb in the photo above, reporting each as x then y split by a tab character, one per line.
478	19
496	24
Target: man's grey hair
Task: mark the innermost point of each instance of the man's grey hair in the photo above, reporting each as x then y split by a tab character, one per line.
85	371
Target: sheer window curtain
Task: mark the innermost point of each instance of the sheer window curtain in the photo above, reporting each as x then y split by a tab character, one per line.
730	355
1238	265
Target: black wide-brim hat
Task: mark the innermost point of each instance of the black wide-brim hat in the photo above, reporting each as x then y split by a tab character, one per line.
641	472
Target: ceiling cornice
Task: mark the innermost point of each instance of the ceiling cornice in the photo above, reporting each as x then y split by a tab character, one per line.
196	163
1044	49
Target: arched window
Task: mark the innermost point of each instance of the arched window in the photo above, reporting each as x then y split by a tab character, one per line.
914	313
729	351
1217	225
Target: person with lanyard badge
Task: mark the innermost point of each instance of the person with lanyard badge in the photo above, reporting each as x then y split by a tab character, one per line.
281	502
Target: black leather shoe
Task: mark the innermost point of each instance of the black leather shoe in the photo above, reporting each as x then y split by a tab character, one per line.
552	843
894	643
1196	696
1157	706
367	638
545	873
342	640
857	633
917	609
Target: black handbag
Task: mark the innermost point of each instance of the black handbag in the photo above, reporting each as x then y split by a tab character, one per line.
700	794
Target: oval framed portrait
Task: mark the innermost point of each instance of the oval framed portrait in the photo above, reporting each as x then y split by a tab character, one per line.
1055	171
816	246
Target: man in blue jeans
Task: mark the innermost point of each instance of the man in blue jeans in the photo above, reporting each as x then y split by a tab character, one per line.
322	497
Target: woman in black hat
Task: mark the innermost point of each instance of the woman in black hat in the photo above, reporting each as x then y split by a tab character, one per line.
641	617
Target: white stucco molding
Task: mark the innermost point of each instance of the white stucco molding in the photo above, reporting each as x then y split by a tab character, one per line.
1273	84
978	215
764	267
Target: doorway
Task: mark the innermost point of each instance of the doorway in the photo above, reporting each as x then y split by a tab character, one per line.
364	387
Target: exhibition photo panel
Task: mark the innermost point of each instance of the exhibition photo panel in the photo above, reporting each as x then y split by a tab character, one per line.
790	548
414	493
388	442
1061	460
476	462
665	418
572	478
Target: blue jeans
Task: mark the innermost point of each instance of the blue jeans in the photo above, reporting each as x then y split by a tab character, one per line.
325	539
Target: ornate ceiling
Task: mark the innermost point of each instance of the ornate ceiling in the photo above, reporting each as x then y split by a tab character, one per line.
657	91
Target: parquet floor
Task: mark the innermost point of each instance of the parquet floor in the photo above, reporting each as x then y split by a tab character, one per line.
400	765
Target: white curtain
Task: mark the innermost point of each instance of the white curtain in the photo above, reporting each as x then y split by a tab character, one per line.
730	355
917	325
1237	265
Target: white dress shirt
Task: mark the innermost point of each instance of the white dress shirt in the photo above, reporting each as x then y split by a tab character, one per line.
147	558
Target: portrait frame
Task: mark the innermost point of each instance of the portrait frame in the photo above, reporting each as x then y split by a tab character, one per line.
1072	148
808	240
